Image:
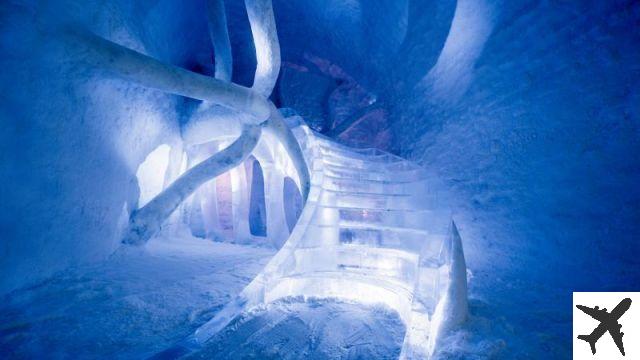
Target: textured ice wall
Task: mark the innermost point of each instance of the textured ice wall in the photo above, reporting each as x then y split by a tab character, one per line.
529	110
533	126
71	137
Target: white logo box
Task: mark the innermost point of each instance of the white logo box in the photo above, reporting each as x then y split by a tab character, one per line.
583	324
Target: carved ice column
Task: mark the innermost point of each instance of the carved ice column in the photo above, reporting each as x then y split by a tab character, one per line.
277	230
177	166
193	209
209	201
209	205
240	191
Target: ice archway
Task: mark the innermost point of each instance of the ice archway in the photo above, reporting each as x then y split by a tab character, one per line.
151	174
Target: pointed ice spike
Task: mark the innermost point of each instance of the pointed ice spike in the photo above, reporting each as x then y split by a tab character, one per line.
452	309
458	276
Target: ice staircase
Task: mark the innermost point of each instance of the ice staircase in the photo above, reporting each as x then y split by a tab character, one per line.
373	230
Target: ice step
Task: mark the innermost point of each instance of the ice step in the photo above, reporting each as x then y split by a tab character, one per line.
380	158
390	238
375	235
352	225
389	176
393	263
429	220
369	165
326	142
373	201
366	194
372	186
382	168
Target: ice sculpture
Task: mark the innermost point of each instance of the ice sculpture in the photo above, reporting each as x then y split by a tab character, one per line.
144	70
372	231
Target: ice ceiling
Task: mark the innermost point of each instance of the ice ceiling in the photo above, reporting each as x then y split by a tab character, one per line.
528	111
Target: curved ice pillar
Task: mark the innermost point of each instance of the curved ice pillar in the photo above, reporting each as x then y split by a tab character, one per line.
371	232
147	71
265	39
453	72
220	39
277	126
240	204
276	222
146	221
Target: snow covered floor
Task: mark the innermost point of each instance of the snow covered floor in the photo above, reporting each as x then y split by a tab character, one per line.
310	330
140	302
131	306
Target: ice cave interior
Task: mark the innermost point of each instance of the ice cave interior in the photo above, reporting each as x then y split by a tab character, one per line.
337	179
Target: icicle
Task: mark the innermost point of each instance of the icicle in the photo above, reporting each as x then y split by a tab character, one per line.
146	221
265	38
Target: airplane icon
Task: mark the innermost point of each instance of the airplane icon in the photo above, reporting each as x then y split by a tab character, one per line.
608	322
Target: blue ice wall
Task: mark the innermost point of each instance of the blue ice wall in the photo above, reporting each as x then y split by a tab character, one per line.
538	143
72	137
529	110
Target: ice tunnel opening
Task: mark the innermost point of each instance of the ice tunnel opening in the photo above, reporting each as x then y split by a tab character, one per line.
151	174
